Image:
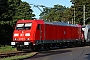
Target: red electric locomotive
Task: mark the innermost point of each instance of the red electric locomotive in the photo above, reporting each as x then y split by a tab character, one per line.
34	34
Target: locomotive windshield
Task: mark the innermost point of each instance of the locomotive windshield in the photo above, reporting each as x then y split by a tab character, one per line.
23	26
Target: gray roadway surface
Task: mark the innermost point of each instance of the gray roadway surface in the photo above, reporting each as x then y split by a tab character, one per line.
77	53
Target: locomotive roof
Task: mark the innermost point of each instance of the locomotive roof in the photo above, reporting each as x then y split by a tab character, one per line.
61	23
53	23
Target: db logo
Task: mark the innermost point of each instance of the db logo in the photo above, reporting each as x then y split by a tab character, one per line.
21	34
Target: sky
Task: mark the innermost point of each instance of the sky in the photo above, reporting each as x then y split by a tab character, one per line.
47	3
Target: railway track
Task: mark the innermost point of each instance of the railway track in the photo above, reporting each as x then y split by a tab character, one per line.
10	54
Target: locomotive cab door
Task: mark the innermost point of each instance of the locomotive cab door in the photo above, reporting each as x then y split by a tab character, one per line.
40	33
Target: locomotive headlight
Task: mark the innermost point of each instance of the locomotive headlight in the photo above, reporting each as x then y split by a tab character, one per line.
16	34
13	43
26	43
27	34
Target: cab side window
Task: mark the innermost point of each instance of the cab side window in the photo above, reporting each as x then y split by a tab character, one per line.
38	27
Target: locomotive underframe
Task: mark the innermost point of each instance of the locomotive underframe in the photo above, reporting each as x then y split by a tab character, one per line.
39	44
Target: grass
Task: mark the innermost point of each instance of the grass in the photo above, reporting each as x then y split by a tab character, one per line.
20	57
6	49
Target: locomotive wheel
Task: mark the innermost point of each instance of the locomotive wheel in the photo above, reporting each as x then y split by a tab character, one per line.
47	47
36	48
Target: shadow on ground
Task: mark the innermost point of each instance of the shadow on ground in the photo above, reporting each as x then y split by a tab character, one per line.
48	53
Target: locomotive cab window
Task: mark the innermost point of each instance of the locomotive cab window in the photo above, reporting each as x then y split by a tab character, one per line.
23	26
28	26
38	26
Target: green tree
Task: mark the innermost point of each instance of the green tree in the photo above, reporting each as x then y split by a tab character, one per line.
78	5
57	13
23	11
4	10
10	12
68	14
